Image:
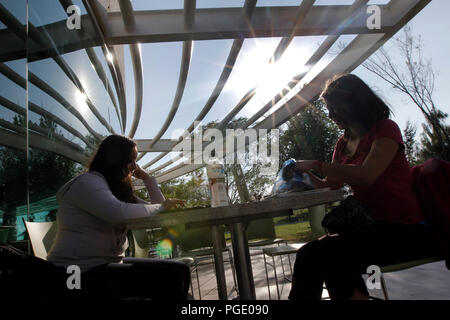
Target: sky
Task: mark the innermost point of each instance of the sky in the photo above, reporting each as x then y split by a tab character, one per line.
161	64
432	24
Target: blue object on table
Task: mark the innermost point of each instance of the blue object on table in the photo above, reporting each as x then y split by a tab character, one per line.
288	179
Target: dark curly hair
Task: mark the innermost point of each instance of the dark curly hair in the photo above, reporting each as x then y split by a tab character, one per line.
112	159
353	104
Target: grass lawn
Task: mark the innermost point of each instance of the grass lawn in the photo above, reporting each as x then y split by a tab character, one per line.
298	232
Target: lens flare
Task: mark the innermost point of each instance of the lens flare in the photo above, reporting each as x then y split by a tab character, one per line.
173	233
164	248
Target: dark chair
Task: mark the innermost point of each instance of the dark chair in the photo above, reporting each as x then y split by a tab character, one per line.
142	246
316	215
197	243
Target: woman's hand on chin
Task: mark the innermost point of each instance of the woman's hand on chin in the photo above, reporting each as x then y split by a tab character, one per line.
139	173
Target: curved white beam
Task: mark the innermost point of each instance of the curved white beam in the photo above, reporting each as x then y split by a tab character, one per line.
127	12
19	80
97	65
210	24
97	15
302	12
189	9
351	57
353	11
14	140
42	39
44	113
246	13
55	95
60	61
119	84
226	23
136	59
104	80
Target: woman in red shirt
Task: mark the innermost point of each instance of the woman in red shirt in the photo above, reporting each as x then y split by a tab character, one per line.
370	158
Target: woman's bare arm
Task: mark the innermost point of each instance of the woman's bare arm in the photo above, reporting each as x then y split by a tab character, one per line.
381	154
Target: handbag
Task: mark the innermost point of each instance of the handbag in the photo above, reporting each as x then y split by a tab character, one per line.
350	217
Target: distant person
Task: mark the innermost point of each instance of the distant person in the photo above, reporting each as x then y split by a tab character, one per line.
370	158
91	232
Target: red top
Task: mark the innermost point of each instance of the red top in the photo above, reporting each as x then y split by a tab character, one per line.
391	198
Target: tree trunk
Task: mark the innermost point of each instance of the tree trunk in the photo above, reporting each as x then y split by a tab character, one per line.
241	185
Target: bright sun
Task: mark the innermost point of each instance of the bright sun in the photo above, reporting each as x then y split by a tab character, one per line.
254	70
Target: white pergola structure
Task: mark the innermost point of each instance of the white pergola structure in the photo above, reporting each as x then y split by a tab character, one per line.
128	27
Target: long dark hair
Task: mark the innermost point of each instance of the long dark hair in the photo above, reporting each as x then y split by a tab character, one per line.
112	158
353	104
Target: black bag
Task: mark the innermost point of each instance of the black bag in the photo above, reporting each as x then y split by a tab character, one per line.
350	217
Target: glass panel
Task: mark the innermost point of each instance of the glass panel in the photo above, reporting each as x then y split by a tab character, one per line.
155	5
72	104
13	162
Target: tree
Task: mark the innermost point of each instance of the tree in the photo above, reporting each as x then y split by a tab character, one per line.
37	177
244	180
411	149
432	147
48	171
192	188
415	78
311	135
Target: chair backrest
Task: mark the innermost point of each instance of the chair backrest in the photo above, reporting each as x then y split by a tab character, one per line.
315	216
42	235
431	182
141	243
261	229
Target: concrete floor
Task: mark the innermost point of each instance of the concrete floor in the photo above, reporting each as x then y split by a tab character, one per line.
426	282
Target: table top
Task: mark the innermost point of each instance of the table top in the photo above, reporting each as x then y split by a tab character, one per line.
279	205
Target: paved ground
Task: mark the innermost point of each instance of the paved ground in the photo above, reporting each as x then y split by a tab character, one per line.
426	282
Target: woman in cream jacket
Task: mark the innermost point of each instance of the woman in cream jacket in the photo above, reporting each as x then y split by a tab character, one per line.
92	235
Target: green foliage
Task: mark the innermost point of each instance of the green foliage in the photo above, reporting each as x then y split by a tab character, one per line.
142	193
433	145
414	76
192	188
411	148
244	181
44	171
311	135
